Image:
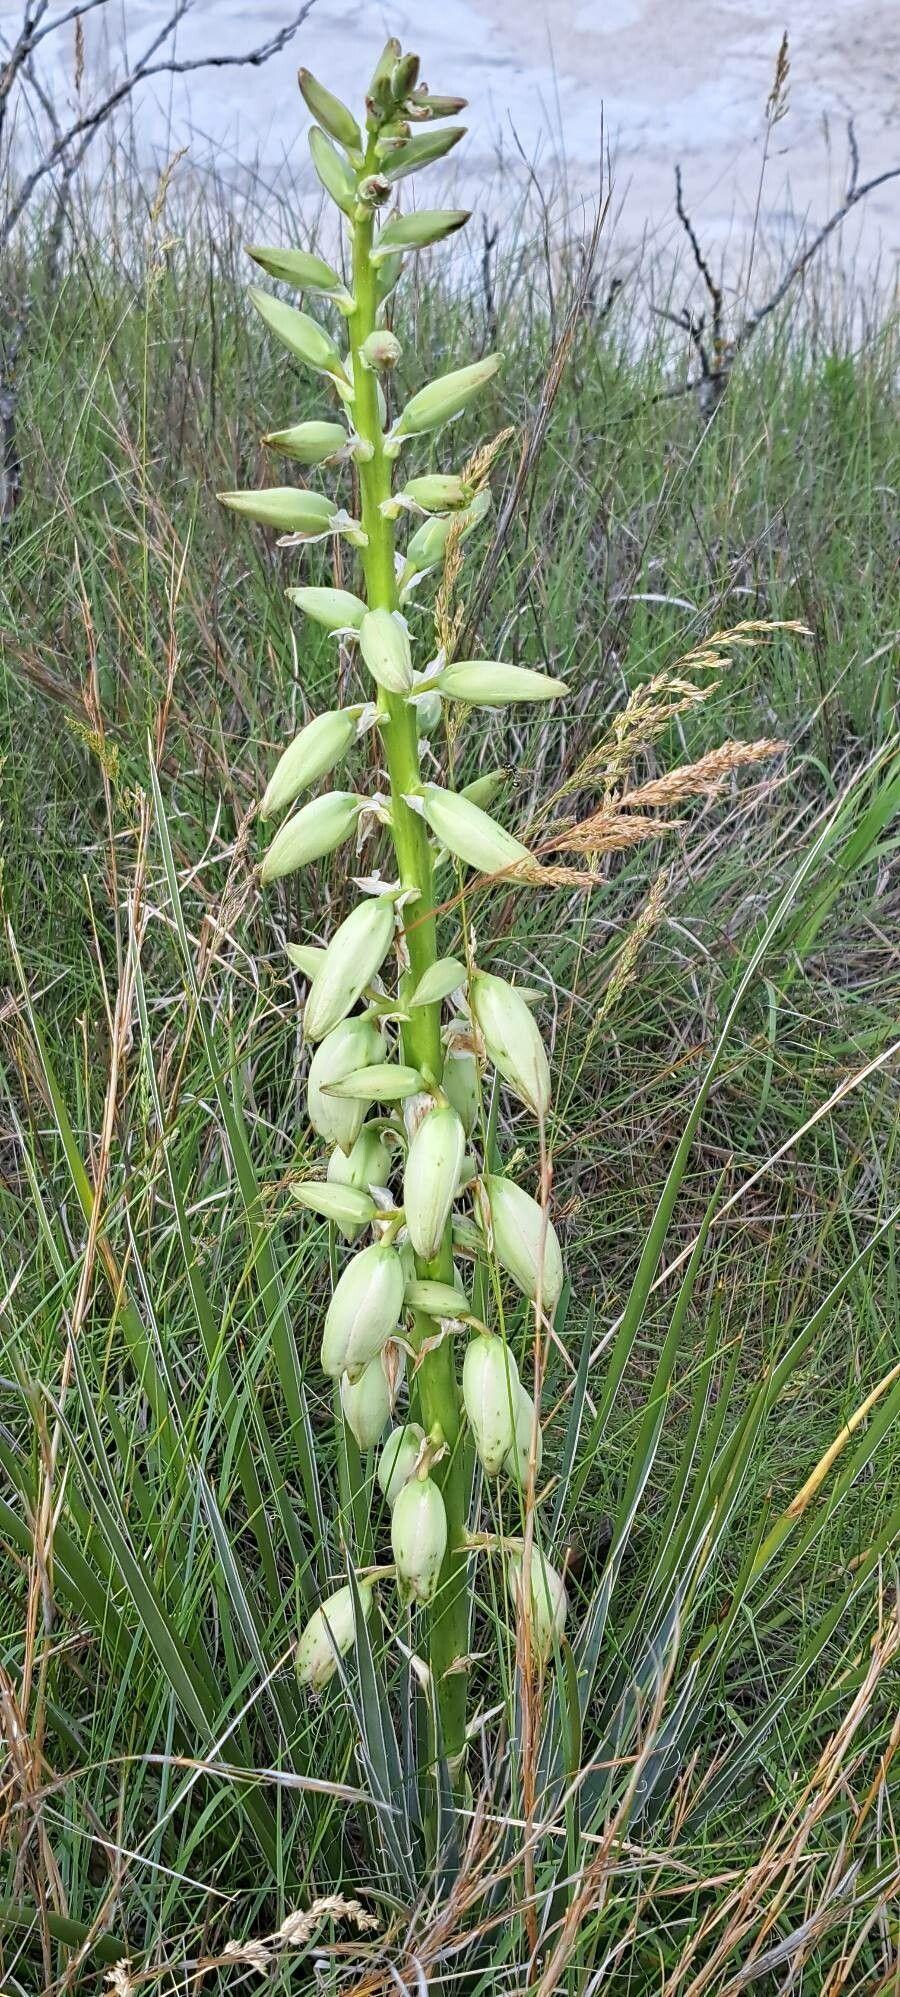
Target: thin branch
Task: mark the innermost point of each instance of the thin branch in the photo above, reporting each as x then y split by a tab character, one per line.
854	194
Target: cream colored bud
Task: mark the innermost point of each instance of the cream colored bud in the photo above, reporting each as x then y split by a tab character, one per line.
385	1081
469	832
364	1311
349	1045
515	1462
332	1629
419	1537
380	351
483	790
316	829
429	542
398	1459
512	1039
288	508
384	644
490	1385
490	683
442	977
305	957
549	1604
303	336
367	1164
356	952
431	1179
347	1205
436	1299
336	609
525	1242
438	493
444	398
311	755
428	711
366	1403
309	443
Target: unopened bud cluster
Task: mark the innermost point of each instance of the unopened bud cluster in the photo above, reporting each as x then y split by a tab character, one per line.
399	1036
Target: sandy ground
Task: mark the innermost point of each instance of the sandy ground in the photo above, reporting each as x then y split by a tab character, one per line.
663	80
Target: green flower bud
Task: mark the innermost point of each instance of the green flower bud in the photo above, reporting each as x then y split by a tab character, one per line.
364	1311
484	789
302	336
366	1403
438	493
386	1082
367	1164
347	1046
421	150
296	267
468	831
289	508
329	1634
344	1204
490	683
461	1085
429	541
428	711
525	1243
305	957
308	443
384	67
431	1179
381	351
441	978
404	77
330	112
384	644
311	755
356	952
442	399
336	609
426	105
515	1462
337	178
418	230
512	1039
317	828
436	1299
419	1537
398	1459
386	276
549	1604
490	1385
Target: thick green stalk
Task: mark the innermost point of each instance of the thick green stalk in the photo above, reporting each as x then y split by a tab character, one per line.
436	1375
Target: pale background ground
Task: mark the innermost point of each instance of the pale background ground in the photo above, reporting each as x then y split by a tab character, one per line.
673	79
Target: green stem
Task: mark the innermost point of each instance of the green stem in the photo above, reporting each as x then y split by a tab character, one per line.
421	1036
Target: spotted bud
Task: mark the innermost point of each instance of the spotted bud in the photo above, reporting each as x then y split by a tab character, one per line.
334	172
384	644
469	832
525	1241
356	952
329	1634
419	1537
398	1459
308	443
288	508
490	1385
548	1604
347	1205
303	336
444	398
512	1039
349	1045
366	1403
364	1311
329	111
367	1164
515	1462
311	755
437	493
336	609
316	829
490	683
431	1178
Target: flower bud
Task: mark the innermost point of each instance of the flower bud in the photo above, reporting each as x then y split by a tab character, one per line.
336	176
305	957
331	1630
398	1459
349	1045
364	1311
329	111
441	978
490	1384
483	790
429	541
525	1241
461	1085
515	1462
381	351
437	492
311	755
426	105
347	1205
404	77
384	1081
549	1604
490	683
367	1164
289	508
384	644
431	1179
316	829
418	230
308	443
444	398
512	1039
336	609
303	336
421	150
469	832
428	711
419	1537
296	267
436	1299
366	1403
356	952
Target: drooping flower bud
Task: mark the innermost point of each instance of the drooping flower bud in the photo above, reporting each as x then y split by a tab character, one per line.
334	172
296	267
308	443
490	1385
515	1462
419	1537
349	1206
311	755
421	149
303	336
525	1242
367	1165
349	1045
431	1179
356	952
490	683
331	1629
398	1459
384	644
335	609
549	1603
512	1039
316	829
366	1403
418	230
381	351
469	832
289	508
364	1311
442	399
330	112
